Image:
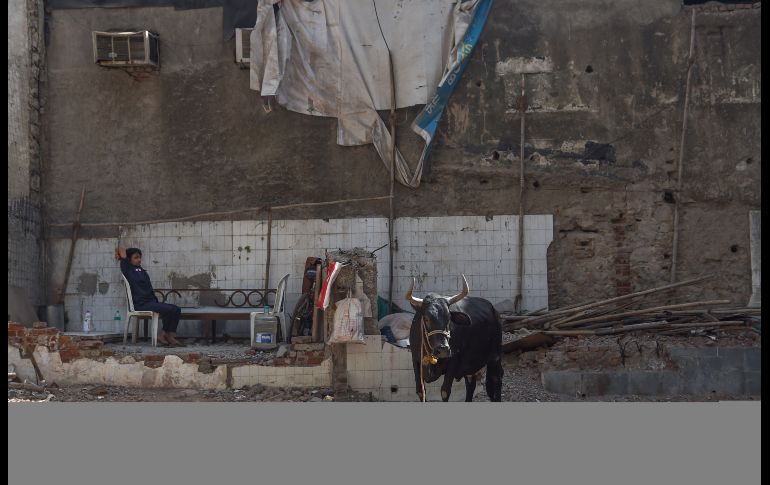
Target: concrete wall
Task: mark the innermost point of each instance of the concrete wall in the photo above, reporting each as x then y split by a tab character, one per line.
193	138
715	371
433	250
25	69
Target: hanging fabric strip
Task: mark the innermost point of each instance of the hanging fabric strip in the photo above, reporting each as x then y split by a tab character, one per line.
325	296
427	121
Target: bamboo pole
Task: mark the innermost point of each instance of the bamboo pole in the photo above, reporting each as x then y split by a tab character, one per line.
629	296
632	328
690	62
224	213
616	316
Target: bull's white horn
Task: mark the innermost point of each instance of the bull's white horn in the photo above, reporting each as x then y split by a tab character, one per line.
417	302
462	294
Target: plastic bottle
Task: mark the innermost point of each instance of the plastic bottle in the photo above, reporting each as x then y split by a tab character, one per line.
87	327
117	319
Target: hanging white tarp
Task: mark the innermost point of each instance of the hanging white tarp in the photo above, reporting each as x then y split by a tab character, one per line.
330	58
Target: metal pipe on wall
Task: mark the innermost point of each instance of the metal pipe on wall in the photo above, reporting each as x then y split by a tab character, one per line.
522	109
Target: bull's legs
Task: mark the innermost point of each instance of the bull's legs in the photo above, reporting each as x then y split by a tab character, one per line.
446	387
418	384
494	384
470	387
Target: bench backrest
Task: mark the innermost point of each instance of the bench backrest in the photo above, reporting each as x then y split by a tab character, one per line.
280	293
128	293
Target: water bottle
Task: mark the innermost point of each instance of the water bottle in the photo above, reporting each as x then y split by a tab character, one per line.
87	322
117	320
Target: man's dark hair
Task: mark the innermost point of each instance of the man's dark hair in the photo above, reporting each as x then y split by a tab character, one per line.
131	251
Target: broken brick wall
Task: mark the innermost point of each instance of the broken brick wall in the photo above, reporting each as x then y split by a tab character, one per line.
70	347
302	352
41	352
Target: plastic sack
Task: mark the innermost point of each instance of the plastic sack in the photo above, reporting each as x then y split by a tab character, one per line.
348	324
399	323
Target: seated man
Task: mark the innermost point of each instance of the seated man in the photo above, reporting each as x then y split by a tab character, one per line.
144	296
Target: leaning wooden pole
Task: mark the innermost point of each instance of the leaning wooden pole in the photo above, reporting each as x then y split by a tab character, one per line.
678	196
75	230
314	330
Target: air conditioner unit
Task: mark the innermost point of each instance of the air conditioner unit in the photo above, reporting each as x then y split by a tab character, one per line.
243	46
122	49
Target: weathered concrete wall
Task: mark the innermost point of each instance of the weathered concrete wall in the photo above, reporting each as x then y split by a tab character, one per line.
193	138
717	371
651	365
25	70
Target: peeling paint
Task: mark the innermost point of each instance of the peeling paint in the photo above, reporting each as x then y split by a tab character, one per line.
87	283
524	65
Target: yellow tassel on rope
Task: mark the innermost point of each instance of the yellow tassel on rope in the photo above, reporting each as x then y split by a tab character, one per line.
429	359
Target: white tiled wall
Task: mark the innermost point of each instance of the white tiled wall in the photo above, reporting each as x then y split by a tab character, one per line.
381	368
434	250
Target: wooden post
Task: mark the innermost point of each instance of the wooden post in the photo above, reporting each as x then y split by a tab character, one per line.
316	290
267	262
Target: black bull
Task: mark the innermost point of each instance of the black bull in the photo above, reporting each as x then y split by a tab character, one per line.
463	335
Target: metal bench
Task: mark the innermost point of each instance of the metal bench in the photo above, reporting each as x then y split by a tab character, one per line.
253	304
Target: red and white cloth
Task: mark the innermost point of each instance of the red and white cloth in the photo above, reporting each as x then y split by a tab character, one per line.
325	296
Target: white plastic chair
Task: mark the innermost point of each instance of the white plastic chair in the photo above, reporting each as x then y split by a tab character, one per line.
277	310
142	313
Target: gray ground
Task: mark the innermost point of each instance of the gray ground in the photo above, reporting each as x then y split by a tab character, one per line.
229	350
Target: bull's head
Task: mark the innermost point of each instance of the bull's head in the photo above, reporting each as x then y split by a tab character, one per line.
436	319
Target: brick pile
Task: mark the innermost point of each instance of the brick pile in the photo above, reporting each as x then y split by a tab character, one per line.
69	347
72	347
302	353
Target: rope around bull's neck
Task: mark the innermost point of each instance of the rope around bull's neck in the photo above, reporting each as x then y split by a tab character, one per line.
425	344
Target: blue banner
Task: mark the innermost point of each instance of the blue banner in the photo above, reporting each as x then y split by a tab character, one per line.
427	121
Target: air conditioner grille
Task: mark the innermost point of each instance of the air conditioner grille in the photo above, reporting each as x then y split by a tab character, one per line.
126	48
246	43
243	45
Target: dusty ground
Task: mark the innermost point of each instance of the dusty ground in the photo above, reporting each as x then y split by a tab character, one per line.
256	393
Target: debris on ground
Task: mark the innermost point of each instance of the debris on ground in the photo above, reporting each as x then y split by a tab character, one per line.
237	350
256	393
